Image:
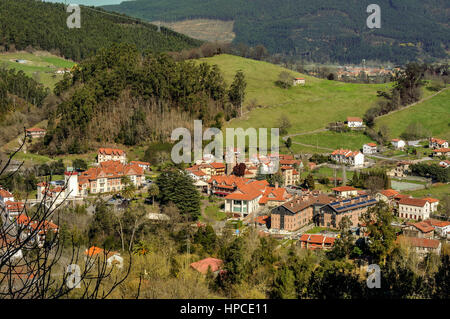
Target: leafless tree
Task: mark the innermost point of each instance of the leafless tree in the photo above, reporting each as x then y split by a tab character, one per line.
34	263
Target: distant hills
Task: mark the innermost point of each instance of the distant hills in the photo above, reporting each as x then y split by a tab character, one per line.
40	25
319	30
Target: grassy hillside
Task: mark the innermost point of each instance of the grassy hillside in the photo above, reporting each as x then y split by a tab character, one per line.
433	114
308	107
321	30
39	65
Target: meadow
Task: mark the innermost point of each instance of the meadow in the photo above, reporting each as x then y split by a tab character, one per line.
433	114
308	107
39	65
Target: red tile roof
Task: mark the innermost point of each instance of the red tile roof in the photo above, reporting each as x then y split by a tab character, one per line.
140	163
372	144
431	200
317	239
437	223
111	169
422	226
202	265
413	202
344	189
110	151
274	194
217	165
389	192
442	150
419	242
35	129
5	194
354	119
438	141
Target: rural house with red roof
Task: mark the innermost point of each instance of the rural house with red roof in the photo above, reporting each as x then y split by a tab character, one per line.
435	143
348	157
444	151
345	191
94	253
421	246
35	132
419	229
111	154
370	148
316	241
354	122
387	195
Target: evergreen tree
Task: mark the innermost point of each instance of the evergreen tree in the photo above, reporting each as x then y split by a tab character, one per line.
236	94
177	187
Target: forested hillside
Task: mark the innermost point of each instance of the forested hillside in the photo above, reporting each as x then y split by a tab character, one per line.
125	97
30	23
320	30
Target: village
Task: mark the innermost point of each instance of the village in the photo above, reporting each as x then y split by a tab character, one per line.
289	207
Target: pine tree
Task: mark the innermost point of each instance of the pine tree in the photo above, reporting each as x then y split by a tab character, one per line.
177	187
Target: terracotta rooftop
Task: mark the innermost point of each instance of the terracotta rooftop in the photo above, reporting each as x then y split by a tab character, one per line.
419	242
202	265
389	192
413	202
344	189
110	151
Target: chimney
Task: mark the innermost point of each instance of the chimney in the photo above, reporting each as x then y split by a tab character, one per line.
276	185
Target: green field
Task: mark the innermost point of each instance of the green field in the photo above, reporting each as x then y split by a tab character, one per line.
437	191
350	140
308	107
39	65
433	114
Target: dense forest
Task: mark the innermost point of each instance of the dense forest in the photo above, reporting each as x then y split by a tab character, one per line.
23	102
40	25
125	97
321	30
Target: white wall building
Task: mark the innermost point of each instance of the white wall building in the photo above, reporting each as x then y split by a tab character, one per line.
348	157
398	144
414	208
354	122
370	148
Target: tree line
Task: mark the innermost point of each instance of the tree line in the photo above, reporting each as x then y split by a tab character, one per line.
123	96
42	25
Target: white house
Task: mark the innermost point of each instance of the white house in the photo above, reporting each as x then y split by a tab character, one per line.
414	208
5	196
440	227
435	143
352	158
112	258
370	148
144	165
354	122
299	81
111	154
398	144
442	151
345	191
444	164
434	203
